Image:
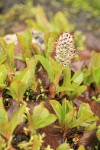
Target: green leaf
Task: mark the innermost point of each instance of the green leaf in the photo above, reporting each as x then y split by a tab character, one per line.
57	69
36	49
49	119
3	74
50	47
23	76
31	64
98	133
48	148
64	146
28	74
65	112
86	114
47	66
17	89
58	110
67	76
92	75
50	39
10	57
2	143
88	77
3	43
2	86
69	112
65	107
89	126
25	40
69	117
2	57
70	105
79	90
78	77
16	119
96	76
40	117
53	35
81	147
64	89
3	113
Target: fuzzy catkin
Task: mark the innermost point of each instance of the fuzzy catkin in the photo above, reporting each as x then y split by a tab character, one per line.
65	49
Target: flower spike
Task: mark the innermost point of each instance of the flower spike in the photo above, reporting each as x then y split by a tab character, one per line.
64	49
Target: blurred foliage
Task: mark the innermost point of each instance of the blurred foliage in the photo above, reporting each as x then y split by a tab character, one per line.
19	13
57	23
92	7
36	19
69	9
79	40
92	73
15	16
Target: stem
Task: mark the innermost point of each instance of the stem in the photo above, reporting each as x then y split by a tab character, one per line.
9	146
67	76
